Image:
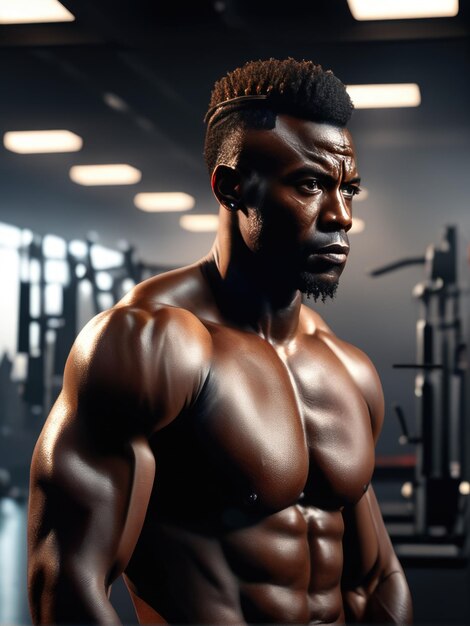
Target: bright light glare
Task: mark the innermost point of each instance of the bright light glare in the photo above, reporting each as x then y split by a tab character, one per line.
164	202
12	523
80	270
19	370
31	11
53	299
56	271
385	96
115	174
103	258
34	271
127	285
41	141
407	490
78	249
464	488
204	223
27	237
34	339
104	281
54	247
402	9
357	227
10	236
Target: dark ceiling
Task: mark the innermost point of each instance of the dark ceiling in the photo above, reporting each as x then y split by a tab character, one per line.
133	78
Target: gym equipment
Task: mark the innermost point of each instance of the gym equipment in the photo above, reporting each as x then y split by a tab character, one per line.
51	296
439	487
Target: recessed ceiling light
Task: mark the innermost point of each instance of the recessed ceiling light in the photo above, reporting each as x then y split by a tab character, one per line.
42	141
33	11
357	227
204	223
164	202
115	174
385	96
402	9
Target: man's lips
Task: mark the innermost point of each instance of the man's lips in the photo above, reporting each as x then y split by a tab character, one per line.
334	253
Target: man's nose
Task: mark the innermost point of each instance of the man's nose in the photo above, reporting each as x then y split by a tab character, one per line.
336	213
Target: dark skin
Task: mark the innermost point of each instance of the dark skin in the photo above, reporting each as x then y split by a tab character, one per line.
214	441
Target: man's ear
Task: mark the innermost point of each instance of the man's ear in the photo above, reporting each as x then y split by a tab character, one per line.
226	184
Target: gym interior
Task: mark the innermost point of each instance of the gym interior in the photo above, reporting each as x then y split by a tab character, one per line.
129	82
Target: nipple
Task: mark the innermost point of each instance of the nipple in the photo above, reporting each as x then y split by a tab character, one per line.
252	498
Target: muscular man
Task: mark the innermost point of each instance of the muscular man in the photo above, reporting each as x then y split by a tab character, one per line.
214	440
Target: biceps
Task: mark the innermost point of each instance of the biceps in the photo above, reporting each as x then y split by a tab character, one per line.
83	511
360	544
368	552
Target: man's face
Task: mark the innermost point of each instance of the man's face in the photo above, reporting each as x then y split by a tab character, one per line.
299	182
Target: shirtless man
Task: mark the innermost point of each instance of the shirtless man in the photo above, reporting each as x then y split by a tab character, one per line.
214	441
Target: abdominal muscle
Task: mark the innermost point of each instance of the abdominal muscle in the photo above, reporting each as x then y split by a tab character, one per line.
285	568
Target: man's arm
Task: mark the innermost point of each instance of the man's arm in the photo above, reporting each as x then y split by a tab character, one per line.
374	586
92	469
375	590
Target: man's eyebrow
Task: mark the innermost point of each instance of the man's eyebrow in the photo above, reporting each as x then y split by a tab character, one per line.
313	169
354	181
316	170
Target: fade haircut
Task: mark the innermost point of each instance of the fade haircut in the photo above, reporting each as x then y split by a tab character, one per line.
298	88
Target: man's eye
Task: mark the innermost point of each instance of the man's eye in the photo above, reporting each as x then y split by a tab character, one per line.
309	184
349	191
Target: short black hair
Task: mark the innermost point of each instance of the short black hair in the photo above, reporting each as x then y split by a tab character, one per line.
299	88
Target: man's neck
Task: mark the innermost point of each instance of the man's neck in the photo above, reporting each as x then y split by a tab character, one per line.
250	299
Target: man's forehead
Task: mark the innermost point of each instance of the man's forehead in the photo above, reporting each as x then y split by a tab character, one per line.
314	135
293	138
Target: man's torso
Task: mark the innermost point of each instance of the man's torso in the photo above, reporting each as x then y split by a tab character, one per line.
245	519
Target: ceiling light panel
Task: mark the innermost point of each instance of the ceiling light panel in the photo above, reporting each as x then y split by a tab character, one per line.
33	11
42	141
402	9
112	174
164	202
203	223
385	96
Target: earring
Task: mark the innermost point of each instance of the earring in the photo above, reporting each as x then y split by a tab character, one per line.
232	205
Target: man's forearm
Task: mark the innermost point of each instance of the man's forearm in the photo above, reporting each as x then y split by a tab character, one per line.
389	602
71	600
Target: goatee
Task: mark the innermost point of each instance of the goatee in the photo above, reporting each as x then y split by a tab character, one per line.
315	288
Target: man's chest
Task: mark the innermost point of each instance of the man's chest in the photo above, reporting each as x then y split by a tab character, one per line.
281	423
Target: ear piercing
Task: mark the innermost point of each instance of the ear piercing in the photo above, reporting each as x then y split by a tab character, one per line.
232	205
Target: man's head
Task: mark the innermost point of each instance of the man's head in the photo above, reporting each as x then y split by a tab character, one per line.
283	164
298	88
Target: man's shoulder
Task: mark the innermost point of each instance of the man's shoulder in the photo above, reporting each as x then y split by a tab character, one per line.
157	316
133	358
137	330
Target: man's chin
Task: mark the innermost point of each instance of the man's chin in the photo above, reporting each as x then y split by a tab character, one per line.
317	288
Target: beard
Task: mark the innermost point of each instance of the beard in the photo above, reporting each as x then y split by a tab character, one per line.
315	288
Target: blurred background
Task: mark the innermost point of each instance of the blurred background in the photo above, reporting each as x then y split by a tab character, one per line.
129	82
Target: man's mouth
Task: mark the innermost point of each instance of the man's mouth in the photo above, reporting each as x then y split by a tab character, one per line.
334	253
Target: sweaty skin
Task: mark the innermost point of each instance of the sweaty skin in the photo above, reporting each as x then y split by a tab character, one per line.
214	440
